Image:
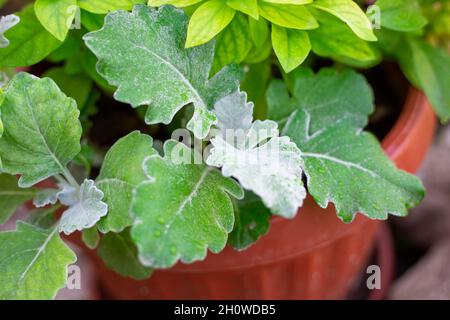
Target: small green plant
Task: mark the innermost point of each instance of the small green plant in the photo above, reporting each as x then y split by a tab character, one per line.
153	204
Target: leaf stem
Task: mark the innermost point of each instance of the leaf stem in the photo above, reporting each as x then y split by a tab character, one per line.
67	178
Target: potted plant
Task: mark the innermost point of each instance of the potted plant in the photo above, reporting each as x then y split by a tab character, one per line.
262	126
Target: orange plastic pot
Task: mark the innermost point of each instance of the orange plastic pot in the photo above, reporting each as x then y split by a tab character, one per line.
314	256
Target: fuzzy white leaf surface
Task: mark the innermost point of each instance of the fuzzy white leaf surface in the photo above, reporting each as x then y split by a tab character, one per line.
255	154
45	197
85	207
6	23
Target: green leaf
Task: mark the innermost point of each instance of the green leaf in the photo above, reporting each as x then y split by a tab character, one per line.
120	254
401	15
349	12
261	54
56	16
318	94
11	196
6	23
249	7
207	21
91	21
105	6
270	169
42	218
85	207
33	263
296	2
343	164
36	113
176	3
428	68
193	213
233	44
45	197
90	237
291	46
255	84
121	172
68	48
279	104
251	222
259	30
334	39
77	86
29	42
288	16
141	53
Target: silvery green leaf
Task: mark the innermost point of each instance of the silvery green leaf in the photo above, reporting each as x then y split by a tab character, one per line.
251	221
182	209
120	254
6	23
33	263
86	211
122	172
142	54
11	196
345	165
45	197
45	121
90	237
233	112
328	96
68	194
263	162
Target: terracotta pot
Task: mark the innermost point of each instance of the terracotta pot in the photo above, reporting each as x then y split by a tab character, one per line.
314	256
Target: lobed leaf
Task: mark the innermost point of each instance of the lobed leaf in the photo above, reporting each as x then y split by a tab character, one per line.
122	172
251	222
38	115
85	207
141	53
11	196
343	164
33	263
270	169
120	254
190	211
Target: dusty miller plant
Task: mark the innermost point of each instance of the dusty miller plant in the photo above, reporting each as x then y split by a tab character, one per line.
269	141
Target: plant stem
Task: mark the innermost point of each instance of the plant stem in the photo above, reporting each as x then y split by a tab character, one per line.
67	177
